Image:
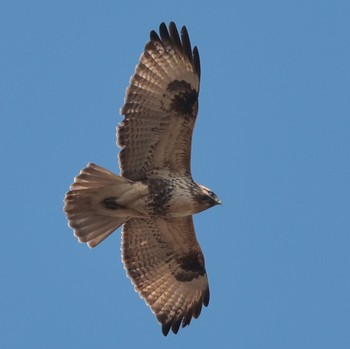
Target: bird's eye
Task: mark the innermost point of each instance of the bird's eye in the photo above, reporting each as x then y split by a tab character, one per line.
211	193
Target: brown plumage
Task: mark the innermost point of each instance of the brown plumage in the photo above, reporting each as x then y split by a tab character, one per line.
155	196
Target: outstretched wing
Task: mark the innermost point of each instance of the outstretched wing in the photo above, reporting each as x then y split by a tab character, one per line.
166	265
160	109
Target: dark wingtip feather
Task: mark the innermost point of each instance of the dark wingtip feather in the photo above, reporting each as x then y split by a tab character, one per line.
174	34
163	31
206	297
186	43
166	328
176	325
196	61
197	310
187	318
154	36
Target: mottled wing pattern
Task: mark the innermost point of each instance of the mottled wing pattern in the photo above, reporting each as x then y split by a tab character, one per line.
166	265
160	109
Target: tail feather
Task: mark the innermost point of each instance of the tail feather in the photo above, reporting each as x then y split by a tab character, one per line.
96	233
94	176
91	221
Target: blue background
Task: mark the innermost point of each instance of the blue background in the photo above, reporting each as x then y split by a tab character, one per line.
272	140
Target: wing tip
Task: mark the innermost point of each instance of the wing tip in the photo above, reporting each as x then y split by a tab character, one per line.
206	297
154	36
170	34
196	61
185	318
166	328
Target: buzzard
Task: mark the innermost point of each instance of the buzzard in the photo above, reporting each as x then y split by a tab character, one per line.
155	196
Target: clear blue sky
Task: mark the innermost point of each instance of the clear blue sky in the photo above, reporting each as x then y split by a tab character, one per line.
272	140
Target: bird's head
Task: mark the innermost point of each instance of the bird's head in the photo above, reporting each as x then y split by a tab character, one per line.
208	197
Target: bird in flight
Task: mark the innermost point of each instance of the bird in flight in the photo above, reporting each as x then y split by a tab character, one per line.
155	196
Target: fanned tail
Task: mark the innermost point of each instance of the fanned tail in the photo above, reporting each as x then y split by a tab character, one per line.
93	205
